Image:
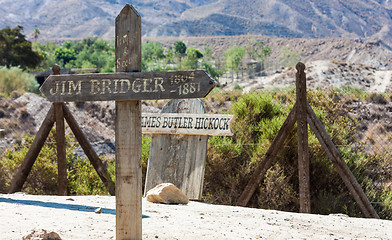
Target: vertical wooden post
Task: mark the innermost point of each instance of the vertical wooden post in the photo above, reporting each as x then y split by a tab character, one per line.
302	131
128	131
60	144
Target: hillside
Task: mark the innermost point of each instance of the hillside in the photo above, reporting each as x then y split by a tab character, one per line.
369	52
71	19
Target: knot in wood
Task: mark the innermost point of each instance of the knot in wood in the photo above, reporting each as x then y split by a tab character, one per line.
56	69
300	67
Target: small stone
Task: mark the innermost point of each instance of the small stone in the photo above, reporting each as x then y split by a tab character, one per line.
98	210
166	193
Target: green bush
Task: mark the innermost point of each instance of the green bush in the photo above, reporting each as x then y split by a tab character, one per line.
84	180
43	176
232	160
81	175
15	79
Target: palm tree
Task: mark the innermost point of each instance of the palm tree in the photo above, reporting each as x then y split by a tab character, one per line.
36	33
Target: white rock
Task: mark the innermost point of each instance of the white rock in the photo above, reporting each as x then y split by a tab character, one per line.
98	210
166	193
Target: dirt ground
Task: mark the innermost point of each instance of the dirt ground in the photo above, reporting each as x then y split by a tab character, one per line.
74	218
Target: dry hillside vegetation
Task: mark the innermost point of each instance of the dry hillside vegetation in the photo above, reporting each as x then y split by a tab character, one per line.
369	52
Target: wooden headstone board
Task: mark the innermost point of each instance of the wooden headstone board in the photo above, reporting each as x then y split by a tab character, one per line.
178	159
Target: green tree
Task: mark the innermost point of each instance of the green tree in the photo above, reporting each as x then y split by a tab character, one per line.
47	52
233	58
36	33
64	55
91	52
257	51
180	47
192	58
288	57
152	51
15	50
207	53
214	72
170	55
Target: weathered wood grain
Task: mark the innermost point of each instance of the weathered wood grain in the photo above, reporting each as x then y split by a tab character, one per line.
187	124
303	148
60	147
127	85
128	131
178	159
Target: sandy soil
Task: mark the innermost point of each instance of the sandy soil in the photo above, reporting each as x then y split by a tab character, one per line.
74	218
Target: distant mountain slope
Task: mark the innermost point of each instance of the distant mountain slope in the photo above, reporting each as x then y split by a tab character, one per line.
59	19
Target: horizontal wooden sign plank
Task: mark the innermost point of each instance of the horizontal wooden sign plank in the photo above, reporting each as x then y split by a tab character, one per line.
187	124
127	86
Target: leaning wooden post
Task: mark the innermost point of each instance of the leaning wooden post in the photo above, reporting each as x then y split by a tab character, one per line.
89	151
128	131
29	160
340	165
60	143
302	131
268	158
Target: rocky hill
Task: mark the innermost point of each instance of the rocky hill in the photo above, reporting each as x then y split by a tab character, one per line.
372	52
64	19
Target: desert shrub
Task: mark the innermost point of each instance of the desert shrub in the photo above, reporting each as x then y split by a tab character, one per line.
15	79
237	87
232	160
81	175
43	176
84	180
378	98
146	142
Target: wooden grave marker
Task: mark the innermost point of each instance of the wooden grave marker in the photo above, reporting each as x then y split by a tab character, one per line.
178	148
127	87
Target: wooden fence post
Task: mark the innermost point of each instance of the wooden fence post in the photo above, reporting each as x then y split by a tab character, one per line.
303	148
128	131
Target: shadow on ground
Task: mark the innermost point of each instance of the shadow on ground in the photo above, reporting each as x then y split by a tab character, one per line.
73	207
